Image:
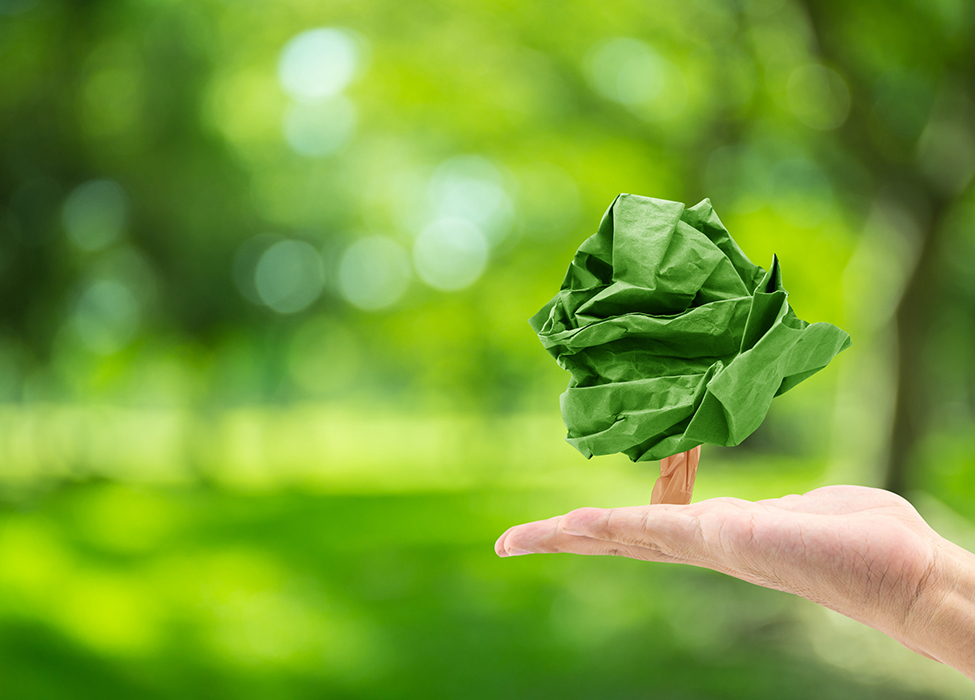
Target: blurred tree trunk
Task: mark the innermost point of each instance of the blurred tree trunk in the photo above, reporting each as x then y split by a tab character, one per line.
921	298
914	318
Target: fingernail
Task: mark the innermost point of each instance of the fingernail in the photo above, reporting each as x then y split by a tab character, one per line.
517	552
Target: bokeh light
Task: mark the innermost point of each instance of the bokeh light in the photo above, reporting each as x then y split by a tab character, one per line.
289	276
450	254
106	316
245	261
631	72
321	129
626	70
95	214
473	189
129	266
374	273
319	63
264	273
115	95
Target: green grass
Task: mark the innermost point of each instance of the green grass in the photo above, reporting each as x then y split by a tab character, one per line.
109	590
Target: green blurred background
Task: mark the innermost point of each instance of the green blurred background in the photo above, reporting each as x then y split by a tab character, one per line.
267	390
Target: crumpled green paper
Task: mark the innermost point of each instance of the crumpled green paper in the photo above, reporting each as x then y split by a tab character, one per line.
672	336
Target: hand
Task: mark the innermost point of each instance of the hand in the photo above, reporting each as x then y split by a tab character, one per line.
863	552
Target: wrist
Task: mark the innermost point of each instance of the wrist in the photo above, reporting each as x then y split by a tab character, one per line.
940	621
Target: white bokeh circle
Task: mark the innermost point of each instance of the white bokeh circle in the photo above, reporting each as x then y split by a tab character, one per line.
319	63
374	273
289	276
450	254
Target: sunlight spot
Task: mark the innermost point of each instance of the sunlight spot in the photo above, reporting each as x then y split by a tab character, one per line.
634	74
626	70
317	130
107	316
95	214
289	276
320	63
472	188
374	273
450	254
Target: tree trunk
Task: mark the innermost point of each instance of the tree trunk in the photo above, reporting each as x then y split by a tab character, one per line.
914	320
917	307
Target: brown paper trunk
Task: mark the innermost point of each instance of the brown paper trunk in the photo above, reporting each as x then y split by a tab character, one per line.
676	482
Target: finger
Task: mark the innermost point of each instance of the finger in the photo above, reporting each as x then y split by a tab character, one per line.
665	533
506	548
672	530
546	536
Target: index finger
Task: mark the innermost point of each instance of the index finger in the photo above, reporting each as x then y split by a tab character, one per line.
672	530
557	534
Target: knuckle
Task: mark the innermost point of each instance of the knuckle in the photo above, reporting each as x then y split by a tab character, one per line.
684	539
579	519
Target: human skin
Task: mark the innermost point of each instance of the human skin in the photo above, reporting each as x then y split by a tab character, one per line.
865	553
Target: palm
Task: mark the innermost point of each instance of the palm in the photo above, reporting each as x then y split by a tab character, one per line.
863	552
850	548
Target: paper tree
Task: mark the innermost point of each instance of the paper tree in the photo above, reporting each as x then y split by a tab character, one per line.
673	339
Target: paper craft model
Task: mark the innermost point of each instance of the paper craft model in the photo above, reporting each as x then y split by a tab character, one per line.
673	338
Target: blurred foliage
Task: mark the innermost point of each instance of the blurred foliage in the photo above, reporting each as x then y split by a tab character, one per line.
267	393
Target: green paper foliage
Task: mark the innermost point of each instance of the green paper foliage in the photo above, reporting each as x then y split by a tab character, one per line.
672	336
